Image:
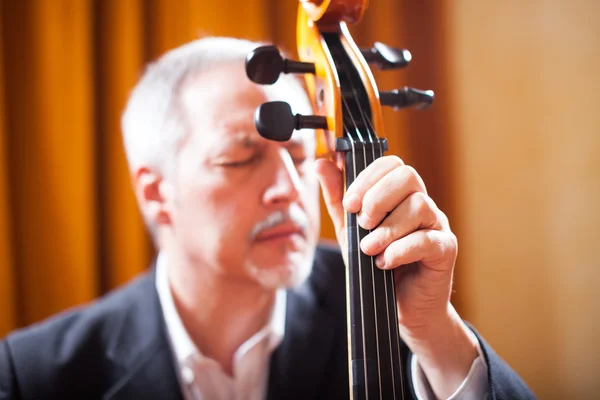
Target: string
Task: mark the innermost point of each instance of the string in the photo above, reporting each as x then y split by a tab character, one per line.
391	275
371	258
371	132
386	274
360	284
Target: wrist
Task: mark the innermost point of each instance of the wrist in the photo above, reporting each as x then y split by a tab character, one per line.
445	349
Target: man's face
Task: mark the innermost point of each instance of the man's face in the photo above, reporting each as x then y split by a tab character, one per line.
245	207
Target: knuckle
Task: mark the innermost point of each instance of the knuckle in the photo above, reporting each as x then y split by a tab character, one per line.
435	243
426	210
442	244
395	160
388	232
411	170
454	241
413	178
443	219
411	174
422	205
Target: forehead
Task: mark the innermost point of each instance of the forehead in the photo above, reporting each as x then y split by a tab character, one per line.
222	102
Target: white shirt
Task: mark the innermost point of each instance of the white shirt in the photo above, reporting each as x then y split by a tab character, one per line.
474	387
202	378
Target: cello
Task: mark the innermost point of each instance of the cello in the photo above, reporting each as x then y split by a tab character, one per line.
349	122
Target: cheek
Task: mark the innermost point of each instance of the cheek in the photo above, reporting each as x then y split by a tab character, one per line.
209	209
208	223
211	216
210	213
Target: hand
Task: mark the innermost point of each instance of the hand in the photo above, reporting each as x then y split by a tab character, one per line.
412	235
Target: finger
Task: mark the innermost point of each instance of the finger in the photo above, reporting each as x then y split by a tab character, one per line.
432	248
385	195
367	178
418	211
332	184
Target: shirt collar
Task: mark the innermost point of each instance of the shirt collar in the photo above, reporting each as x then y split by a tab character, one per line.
180	341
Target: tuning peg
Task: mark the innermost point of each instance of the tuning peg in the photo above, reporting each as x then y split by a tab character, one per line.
264	65
407	97
386	57
274	120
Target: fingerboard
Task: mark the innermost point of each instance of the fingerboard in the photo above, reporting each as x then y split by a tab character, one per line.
373	339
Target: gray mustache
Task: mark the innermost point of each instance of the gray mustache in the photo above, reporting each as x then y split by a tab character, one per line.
294	215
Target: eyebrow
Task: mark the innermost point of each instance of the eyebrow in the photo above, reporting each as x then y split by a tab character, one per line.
249	142
245	141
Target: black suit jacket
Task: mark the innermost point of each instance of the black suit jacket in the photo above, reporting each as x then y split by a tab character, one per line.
117	348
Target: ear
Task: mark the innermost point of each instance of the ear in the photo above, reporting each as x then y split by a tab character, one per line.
151	194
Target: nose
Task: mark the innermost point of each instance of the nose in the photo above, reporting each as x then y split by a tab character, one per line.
284	180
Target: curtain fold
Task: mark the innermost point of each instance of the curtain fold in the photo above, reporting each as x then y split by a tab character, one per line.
50	147
125	248
7	282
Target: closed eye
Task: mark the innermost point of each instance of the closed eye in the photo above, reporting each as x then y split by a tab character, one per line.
238	164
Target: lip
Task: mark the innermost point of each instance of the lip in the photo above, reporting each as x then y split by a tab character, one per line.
284	231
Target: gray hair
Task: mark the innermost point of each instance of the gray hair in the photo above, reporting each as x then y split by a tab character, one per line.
153	124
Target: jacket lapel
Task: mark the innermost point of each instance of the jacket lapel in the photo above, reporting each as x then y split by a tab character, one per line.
140	351
144	365
153	378
299	363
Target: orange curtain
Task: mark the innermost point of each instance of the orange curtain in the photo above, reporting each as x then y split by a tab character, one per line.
7	282
50	157
70	229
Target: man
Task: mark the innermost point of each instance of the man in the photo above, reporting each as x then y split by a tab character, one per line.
242	302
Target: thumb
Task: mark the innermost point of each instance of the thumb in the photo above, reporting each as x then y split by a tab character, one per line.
332	184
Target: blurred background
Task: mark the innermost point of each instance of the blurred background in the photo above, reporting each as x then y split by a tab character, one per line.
510	151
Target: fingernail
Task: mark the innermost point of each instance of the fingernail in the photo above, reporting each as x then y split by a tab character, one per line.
351	202
364	221
379	261
369	243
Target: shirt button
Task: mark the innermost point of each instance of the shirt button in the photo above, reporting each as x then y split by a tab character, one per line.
187	375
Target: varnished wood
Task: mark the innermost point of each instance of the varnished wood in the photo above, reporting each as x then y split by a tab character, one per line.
367	77
323	87
334	11
344	91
